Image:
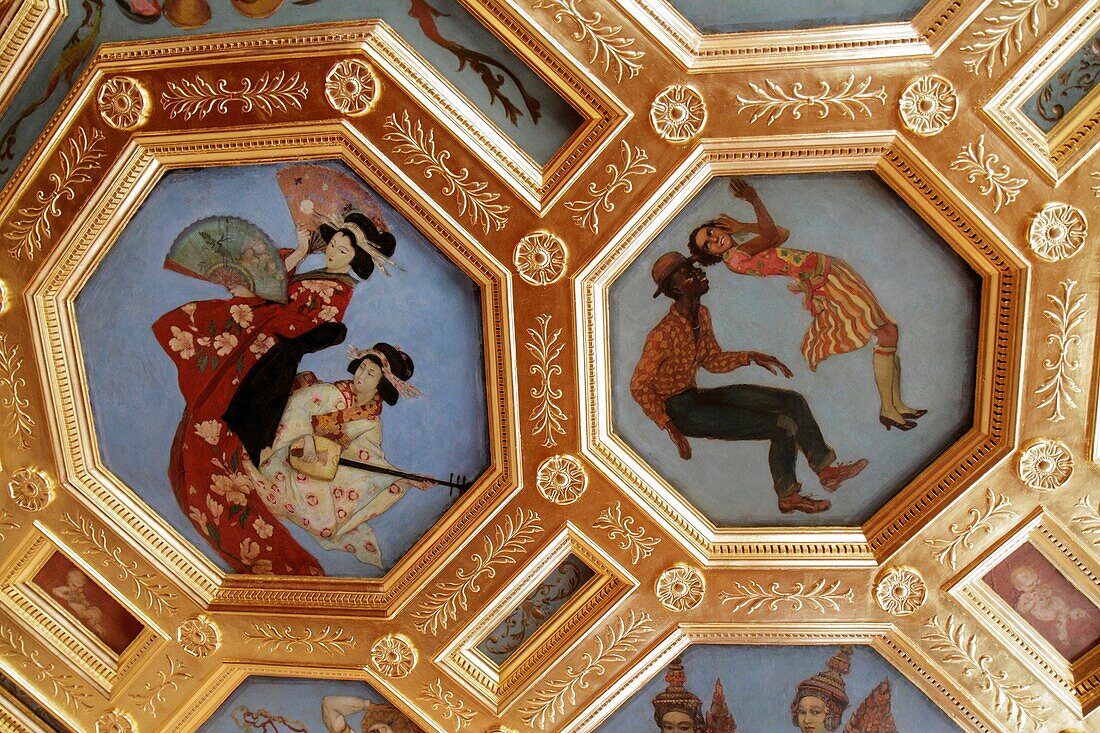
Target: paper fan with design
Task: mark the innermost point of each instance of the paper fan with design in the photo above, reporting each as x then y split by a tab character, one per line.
230	252
319	195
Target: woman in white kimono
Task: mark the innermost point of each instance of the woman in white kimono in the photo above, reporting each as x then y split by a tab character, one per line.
348	413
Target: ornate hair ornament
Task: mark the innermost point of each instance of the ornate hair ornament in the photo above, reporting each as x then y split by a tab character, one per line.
828	686
363	242
677	698
403	388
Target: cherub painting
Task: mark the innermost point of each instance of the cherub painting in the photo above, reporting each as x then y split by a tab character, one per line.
276	456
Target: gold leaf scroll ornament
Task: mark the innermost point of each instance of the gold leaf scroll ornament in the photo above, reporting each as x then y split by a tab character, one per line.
1065	314
772	101
587	211
821	596
546	417
623	528
994	179
608	42
19	422
996	508
449	706
268	94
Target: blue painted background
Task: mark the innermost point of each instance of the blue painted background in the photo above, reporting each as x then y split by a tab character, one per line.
431	310
753	15
760	681
294	699
929	291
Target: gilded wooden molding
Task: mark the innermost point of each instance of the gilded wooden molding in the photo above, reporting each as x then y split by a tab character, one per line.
26	26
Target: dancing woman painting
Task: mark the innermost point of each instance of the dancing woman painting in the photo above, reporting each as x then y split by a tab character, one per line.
845	314
237	358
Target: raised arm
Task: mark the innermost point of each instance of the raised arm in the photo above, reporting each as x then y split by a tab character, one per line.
768	234
295	258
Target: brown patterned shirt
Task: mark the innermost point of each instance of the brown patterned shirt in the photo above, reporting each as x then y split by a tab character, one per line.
671	357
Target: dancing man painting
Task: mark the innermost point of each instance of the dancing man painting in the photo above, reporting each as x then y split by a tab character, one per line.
844	313
664	386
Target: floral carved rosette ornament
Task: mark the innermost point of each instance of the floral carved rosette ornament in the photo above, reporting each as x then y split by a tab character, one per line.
31	489
900	591
928	105
123	103
540	258
393	655
1057	232
198	636
678	113
351	87
1045	465
680	588
561	479
115	721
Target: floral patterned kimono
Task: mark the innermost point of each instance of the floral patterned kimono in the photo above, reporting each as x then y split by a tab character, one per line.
335	512
214	344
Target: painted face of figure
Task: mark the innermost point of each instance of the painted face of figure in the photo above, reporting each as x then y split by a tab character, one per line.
366	380
811	714
713	240
76	579
339	253
676	721
690	281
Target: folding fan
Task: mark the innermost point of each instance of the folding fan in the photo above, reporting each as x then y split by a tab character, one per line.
229	251
319	195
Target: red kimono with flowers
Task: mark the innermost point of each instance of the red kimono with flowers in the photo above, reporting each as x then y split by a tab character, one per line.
214	344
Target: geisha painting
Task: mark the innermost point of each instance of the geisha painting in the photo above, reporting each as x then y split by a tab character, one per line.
727	689
288	360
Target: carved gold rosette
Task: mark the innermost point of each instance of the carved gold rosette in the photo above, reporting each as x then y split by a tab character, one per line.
928	105
123	102
30	489
678	113
561	479
680	588
115	721
1057	232
351	87
393	655
198	636
1045	465
900	591
540	258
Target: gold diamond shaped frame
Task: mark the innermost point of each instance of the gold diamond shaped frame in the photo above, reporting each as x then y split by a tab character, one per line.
815	100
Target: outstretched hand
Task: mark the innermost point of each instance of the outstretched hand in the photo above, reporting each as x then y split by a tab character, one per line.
742	190
770	363
680	440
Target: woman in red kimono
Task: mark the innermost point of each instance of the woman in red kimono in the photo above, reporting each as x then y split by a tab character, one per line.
845	313
237	359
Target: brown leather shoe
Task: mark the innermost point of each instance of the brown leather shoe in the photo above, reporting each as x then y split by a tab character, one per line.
798	503
831	477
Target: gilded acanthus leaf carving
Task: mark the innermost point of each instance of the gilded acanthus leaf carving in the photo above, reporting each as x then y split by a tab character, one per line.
1088	518
450	707
508	540
81	155
991	45
820	596
772	101
147	588
270	638
996	508
418	145
153	693
62	685
956	646
1065	315
268	94
5	521
623	528
614	50
19	423
587	211
550	702
545	347
985	169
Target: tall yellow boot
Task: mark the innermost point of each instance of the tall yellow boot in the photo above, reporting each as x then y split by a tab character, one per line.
885	370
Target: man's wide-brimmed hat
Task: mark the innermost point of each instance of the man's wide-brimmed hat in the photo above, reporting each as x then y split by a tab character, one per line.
665	265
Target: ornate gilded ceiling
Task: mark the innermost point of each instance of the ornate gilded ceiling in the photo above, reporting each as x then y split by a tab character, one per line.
736	363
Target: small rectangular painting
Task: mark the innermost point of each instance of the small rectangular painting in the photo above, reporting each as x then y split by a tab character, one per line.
89	604
1047	600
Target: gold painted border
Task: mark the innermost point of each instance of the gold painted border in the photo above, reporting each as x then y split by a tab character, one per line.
25	31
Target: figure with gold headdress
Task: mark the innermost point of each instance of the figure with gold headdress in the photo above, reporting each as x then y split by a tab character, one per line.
820	701
678	710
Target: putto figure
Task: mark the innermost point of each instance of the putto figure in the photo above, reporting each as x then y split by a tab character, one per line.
664	385
845	312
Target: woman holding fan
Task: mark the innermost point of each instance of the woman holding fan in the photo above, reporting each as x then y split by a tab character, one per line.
237	357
